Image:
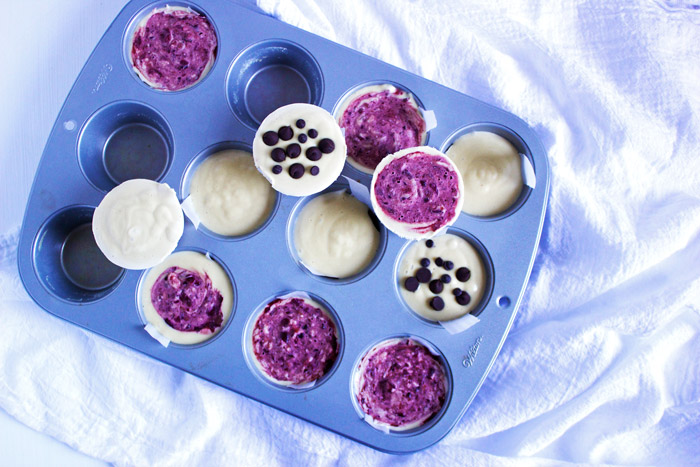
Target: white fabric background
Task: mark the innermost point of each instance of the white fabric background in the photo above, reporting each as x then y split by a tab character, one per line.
601	365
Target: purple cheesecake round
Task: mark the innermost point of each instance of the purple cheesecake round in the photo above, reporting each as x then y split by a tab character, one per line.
294	341
400	385
173	48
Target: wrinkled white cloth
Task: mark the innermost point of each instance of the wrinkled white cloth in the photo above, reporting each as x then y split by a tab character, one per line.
601	365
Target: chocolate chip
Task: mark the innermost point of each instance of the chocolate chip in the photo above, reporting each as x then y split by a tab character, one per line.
302	138
326	145
312	133
429	243
438	261
456	292
437	304
293	150
411	284
423	275
448	265
463	274
463	298
300	123
313	153
278	155
425	262
276	169
296	170
285	133
314	170
270	138
435	286
446	278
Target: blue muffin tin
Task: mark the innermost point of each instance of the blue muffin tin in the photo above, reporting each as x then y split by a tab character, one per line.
114	127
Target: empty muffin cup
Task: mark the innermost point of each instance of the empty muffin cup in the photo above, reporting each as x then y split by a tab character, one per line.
67	260
269	75
122	141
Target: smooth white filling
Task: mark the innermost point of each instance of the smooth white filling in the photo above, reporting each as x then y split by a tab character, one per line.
229	195
334	235
491	168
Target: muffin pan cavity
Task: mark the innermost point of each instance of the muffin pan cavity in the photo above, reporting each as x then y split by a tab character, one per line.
269	75
118	128
67	260
122	141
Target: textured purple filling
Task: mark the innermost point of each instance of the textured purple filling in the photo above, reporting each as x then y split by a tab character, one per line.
187	301
381	123
294	341
173	48
402	384
419	188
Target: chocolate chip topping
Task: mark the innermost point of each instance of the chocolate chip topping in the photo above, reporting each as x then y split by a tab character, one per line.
425	262
302	138
463	274
446	278
429	243
278	155
448	265
293	150
437	304
463	298
326	145
435	286
270	138
313	153
314	170
296	170
300	123
456	292
276	169
423	275
411	284
285	133
312	133
438	261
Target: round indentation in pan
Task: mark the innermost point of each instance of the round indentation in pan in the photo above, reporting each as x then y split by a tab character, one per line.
445	277
401	369
485	168
172	48
124	140
228	198
67	260
298	337
268	75
336	239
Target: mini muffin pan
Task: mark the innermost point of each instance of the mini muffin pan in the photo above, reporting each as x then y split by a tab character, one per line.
114	127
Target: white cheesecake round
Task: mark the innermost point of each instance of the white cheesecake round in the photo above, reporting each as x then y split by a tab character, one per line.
138	223
299	149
